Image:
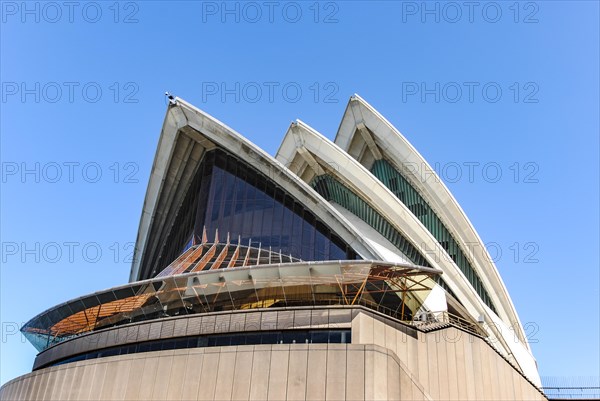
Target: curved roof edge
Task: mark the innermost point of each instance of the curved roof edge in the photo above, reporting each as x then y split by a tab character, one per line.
321	155
400	151
186	133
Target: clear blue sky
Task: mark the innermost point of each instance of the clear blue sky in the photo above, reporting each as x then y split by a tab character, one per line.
502	88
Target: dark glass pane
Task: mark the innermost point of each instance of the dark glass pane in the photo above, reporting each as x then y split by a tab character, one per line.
335	337
249	205
123	293
295	247
217	212
258	217
214	201
267	222
223	340
253	339
286	235
106	297
237	220
319	337
270	338
155	346
295	337
321	247
112	352
144	347
238	339
308	240
276	226
90	301
228	192
336	253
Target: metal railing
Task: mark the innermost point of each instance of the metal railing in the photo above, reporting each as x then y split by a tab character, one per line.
433	320
423	321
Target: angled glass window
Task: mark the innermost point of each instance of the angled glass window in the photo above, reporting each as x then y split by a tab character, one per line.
407	194
230	196
334	191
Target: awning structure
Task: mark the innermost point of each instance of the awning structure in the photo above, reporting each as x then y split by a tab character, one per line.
210	256
394	289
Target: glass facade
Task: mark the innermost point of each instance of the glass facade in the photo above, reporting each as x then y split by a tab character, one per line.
180	236
230	196
409	196
334	191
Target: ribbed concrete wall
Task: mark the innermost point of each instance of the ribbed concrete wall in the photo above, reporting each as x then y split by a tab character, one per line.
259	372
449	363
386	360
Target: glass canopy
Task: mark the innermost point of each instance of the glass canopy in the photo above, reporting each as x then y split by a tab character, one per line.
394	289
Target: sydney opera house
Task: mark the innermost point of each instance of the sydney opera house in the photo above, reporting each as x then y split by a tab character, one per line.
332	271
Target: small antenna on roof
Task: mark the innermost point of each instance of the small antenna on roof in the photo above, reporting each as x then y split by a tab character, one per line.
171	98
